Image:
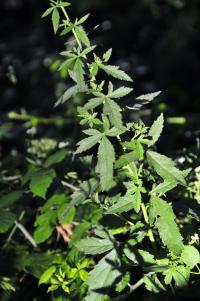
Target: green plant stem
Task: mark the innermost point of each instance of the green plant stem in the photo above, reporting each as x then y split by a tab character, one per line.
149	232
73	30
65	13
77	39
13	230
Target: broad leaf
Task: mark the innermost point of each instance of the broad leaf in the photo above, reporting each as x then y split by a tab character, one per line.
9	199
103	277
121	92
45	277
106	159
57	157
156	130
190	256
7	219
112	109
40	181
124	205
88	143
82	35
168	230
93	245
165	168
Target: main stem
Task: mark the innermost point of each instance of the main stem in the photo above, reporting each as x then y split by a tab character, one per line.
74	32
149	232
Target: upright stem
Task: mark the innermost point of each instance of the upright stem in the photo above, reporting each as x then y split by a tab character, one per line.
149	232
74	32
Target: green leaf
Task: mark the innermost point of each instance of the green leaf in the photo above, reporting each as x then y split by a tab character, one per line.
124	205
107	55
82	35
190	256
166	225
112	109
45	226
123	283
93	245
106	159
163	187
9	199
83	19
65	218
149	97
47	12
40	181
55	19
93	103
57	157
115	72
140	257
69	93
121	92
126	159
79	75
156	130
103	277
47	275
165	168
88	143
7	219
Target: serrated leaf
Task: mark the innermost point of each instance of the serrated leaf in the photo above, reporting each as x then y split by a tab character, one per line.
190	256
45	277
9	199
107	55
55	19
40	182
164	187
103	277
88	143
82	35
123	283
121	92
126	159
7	219
79	75
124	205
67	95
156	130
93	103
106	159
57	157
115	72
112	109
165	168
93	245
166	225
149	96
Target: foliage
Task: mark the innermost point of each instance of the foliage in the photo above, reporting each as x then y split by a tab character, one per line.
101	234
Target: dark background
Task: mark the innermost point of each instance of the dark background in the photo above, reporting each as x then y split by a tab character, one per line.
156	42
